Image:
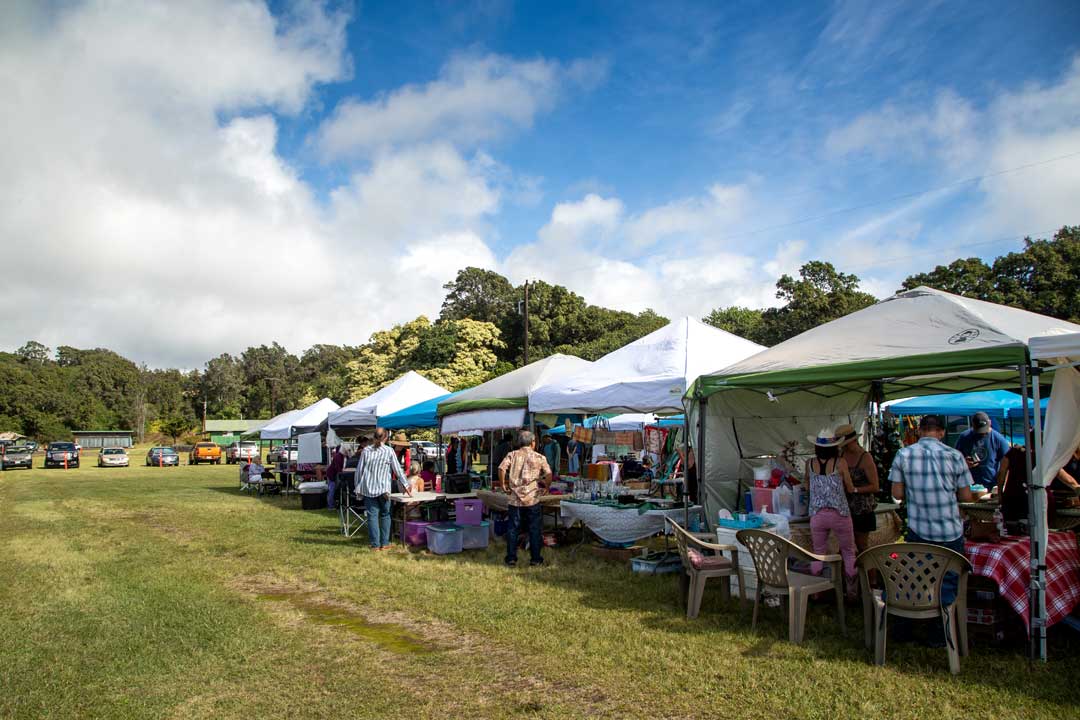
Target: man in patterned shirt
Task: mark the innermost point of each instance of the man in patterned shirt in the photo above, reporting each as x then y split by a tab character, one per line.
524	473
931	478
378	463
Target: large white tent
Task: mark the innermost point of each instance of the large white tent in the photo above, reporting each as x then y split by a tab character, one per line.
409	389
502	402
294	422
650	375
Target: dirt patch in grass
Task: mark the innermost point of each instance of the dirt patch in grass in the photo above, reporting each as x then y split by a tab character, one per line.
496	673
156	520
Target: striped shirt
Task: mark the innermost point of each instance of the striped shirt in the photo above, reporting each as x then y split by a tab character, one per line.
378	465
932	473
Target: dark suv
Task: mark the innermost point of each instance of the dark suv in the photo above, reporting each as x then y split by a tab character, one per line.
61	454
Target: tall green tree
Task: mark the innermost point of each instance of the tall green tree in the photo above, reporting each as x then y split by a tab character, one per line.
747	323
819	295
1044	277
272	383
223	387
478	294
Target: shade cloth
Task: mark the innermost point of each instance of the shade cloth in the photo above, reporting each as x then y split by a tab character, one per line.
1008	564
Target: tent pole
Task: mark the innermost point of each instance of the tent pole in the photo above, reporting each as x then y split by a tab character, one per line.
1038	529
1029	458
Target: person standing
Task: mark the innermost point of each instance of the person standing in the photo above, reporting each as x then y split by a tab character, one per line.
983	449
932	478
524	474
452	456
374	477
553	453
502	449
864	479
829	481
573	456
337	464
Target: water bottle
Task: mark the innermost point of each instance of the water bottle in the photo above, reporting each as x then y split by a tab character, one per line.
999	520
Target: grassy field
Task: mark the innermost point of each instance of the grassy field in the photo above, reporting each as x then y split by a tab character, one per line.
166	593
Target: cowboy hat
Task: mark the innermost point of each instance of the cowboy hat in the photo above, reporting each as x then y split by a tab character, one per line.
400	439
824	438
846	433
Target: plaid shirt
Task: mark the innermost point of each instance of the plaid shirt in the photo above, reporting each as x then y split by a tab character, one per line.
373	474
932	473
524	469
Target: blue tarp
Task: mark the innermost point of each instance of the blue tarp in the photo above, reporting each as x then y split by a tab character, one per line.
420	415
995	403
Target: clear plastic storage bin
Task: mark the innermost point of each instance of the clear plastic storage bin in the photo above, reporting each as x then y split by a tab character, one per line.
444	538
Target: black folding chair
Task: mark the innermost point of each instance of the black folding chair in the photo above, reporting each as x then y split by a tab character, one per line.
350	508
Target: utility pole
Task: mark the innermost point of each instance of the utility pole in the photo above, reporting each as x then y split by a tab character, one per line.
526	322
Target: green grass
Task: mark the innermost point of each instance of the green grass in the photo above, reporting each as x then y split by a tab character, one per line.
151	593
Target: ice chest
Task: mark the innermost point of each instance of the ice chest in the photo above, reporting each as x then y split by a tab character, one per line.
444	538
312	495
468	511
416	532
475	537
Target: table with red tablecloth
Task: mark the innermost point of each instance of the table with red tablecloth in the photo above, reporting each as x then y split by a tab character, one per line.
1008	563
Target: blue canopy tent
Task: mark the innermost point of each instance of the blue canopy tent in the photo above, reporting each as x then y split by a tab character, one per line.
420	415
995	403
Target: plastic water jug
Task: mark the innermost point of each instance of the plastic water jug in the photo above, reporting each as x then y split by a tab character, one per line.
782	500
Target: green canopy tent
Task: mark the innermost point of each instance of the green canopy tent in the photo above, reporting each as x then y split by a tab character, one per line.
919	342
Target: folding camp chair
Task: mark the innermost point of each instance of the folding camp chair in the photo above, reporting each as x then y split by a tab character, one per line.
350	509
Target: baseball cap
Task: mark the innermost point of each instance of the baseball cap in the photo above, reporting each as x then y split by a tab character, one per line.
981	423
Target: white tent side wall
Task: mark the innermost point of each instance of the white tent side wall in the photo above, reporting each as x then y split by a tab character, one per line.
744	429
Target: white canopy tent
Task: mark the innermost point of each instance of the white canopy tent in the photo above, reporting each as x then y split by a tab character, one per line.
503	402
918	342
313	417
650	375
409	389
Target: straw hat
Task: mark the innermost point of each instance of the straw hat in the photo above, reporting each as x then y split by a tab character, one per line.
846	433
824	438
400	440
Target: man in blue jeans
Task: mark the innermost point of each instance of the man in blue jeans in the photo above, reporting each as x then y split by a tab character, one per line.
932	478
524	474
374	476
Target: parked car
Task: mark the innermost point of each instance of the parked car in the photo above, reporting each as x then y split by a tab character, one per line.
242	451
59	454
205	452
425	450
31	445
112	457
16	456
156	456
280	454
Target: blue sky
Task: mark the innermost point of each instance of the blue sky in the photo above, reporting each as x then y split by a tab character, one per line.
671	155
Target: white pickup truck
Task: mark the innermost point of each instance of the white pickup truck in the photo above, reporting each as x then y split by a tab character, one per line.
242	451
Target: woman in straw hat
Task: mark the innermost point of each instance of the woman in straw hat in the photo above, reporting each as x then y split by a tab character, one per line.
829	481
864	477
402	449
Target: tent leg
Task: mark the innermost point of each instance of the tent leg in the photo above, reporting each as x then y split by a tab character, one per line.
1037	522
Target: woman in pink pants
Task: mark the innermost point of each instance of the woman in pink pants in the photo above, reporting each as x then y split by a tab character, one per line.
829	482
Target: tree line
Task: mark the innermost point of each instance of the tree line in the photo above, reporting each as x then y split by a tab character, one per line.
479	334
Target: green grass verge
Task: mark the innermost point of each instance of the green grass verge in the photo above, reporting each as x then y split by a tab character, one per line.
147	593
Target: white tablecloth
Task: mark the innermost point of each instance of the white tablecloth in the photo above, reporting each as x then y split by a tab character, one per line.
621	525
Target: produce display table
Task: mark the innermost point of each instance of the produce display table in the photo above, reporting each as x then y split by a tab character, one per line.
1008	563
620	524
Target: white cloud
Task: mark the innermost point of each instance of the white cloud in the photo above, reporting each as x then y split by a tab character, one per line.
946	130
714	213
474	99
139	220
